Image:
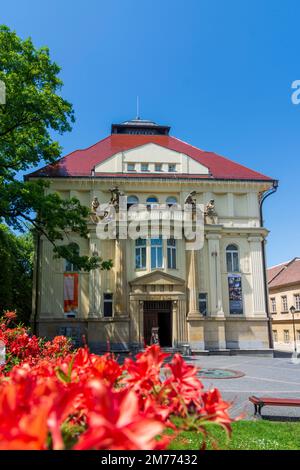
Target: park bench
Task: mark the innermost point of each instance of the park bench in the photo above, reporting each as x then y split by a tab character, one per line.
259	402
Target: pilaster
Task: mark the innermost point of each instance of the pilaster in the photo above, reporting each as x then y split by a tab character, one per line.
216	300
258	292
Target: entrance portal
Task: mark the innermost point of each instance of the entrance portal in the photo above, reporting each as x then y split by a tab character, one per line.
158	314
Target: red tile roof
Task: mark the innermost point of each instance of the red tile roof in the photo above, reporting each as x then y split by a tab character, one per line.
284	274
82	162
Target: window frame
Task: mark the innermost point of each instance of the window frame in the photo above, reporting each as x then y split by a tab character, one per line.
156	248
273	304
140	249
171	165
131	203
201	301
172	253
74	268
284	304
171	201
151	204
131	170
146	165
232	261
286	336
108	302
156	165
297	302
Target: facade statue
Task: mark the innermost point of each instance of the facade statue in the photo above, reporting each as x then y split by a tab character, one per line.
95	216
210	214
95	204
191	199
115	197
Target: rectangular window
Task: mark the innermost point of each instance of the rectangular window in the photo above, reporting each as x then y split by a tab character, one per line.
235	294
297	301
144	167
275	336
172	167
284	303
107	305
158	167
71	294
298	335
171	253
203	303
156	253
232	259
130	167
273	305
140	253
286	336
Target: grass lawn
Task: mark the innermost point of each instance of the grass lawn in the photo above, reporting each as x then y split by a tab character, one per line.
247	435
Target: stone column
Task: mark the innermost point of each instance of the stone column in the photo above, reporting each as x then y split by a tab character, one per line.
215	280
94	281
192	282
121	279
179	311
258	292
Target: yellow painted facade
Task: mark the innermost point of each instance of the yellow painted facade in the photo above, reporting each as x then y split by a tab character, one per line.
136	293
282	323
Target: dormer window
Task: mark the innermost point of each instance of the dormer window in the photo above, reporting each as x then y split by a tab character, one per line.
172	167
144	167
130	167
158	167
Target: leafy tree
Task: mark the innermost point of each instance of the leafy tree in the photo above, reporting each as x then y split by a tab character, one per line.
34	111
16	260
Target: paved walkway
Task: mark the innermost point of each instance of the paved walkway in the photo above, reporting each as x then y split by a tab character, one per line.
263	376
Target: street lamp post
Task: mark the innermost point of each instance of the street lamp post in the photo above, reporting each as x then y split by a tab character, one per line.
292	310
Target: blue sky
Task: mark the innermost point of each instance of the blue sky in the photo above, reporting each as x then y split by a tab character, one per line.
218	71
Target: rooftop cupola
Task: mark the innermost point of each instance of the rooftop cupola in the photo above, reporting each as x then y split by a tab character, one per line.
139	126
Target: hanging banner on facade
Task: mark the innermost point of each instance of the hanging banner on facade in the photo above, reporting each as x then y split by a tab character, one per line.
71	293
235	294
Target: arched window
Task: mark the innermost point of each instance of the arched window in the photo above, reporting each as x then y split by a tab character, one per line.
132	200
70	267
232	259
171	201
151	201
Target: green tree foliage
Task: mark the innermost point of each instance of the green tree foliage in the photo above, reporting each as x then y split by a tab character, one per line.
34	111
16	259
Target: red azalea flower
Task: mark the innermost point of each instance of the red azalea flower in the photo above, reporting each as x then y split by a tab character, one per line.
10	315
144	372
216	409
116	422
185	387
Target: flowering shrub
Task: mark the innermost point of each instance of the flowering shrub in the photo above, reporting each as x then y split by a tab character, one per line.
20	345
53	393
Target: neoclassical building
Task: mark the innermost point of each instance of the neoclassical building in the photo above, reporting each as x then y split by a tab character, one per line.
213	298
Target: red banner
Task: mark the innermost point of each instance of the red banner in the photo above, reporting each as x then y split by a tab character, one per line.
71	293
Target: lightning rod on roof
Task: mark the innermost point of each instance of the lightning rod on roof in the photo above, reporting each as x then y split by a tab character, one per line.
137	108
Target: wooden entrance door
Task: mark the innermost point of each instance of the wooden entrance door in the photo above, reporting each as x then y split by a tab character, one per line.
158	314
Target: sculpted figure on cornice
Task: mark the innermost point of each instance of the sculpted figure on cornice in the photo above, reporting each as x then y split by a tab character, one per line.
210	213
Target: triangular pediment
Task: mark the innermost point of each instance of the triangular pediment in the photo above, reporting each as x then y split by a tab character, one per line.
157	278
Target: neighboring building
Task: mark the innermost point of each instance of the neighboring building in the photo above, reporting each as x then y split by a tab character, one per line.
213	299
284	292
